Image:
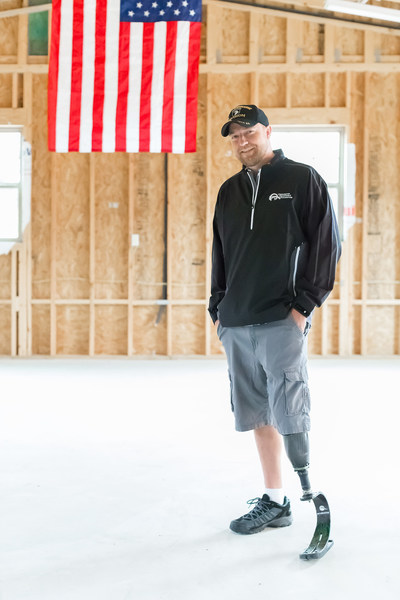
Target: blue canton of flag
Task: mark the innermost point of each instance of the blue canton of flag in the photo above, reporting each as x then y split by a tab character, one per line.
152	11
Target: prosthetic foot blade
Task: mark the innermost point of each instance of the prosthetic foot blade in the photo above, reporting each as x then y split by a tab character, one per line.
320	543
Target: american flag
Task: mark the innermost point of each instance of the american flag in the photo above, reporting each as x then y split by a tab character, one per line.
123	75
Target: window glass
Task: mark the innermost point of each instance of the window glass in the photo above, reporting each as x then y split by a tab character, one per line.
38	30
10	157
333	192
9	213
319	148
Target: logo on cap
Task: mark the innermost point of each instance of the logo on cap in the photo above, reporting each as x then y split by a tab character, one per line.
244	115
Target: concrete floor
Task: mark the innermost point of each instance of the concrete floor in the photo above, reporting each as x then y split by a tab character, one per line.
119	479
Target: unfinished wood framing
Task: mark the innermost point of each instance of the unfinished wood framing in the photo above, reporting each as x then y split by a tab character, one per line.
89	277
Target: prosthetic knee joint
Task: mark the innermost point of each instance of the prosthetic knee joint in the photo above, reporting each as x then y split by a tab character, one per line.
298	451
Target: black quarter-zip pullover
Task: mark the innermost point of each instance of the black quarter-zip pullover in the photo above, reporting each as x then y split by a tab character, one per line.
276	244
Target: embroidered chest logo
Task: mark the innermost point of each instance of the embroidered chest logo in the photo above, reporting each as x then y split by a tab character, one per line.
286	196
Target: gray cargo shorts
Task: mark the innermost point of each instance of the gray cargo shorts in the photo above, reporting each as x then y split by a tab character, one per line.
267	367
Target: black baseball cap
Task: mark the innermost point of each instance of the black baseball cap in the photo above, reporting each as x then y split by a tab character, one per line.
246	115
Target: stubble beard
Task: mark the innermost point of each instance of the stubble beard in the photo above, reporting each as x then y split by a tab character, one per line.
250	159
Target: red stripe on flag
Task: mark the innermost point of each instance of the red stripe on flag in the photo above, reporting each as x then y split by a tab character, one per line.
53	74
145	90
76	77
99	75
192	86
349	211
123	87
169	80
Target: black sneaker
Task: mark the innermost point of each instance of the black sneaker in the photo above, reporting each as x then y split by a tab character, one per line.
264	514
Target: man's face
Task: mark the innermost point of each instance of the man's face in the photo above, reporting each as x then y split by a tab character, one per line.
250	144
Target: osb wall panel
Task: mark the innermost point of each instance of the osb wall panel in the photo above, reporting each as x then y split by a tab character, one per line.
335	293
383	191
313	39
397	331
355	330
357	138
111	330
112	227
397	221
235	37
8	50
216	345
380	332
349	42
40	329
333	337
314	336
5	91
188	327
187	216
5	329
337	89
41	193
72	210
203	39
72	330
389	45
308	90
149	196
5	276
272	90
9	30
272	37
148	336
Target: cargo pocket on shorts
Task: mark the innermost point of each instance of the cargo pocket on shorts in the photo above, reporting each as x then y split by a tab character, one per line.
297	397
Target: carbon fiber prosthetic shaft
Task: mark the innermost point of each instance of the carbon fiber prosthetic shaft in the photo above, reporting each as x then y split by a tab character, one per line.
297	448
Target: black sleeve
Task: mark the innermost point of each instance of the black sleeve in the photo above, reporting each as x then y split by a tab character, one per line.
320	227
218	284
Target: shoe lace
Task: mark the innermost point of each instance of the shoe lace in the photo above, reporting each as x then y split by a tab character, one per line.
259	508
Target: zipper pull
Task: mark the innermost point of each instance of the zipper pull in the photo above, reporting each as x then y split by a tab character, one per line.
252	217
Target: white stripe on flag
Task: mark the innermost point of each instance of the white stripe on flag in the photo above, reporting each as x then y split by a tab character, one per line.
88	57
135	79
157	85
180	88
64	77
111	76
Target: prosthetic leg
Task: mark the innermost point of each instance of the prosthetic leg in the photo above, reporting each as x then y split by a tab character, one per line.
298	452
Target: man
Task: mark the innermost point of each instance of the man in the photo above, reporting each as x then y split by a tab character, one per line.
275	251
